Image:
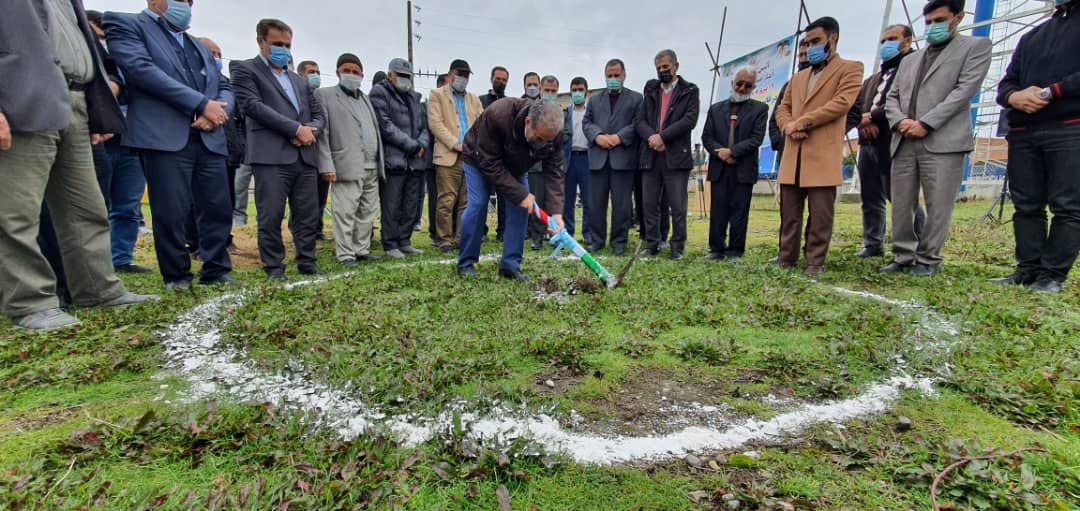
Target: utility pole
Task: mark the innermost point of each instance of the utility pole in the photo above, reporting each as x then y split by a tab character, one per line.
408	23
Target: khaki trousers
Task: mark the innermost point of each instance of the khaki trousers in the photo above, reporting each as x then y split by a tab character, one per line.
452	199
353	206
56	167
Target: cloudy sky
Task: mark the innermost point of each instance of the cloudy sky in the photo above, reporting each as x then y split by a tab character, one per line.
557	37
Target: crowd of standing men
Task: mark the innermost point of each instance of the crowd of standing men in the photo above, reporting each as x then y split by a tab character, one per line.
142	101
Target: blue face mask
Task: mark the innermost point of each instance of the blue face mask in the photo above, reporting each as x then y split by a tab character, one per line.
178	14
280	56
217	62
614	84
937	33
577	97
817	54
314	80
554	98
889	50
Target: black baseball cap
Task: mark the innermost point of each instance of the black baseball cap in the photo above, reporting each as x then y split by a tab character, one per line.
460	64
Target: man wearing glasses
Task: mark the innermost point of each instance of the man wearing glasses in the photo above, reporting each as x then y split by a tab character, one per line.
734	131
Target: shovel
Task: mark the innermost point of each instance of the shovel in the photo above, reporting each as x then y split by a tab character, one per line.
563	240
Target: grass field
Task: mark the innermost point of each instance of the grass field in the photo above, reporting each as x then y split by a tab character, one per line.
99	418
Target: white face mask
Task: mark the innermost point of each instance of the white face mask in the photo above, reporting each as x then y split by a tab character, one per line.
403	84
460	82
532	91
351	82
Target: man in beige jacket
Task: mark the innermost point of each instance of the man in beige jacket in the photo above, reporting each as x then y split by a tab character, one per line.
451	112
812	116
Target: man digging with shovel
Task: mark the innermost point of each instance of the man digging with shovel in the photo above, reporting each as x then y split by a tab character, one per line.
508	138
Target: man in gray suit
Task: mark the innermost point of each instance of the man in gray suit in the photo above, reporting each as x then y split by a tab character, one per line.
613	153
55	102
282	119
928	108
350	157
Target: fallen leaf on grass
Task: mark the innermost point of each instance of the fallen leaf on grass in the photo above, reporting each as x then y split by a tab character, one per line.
504	498
700	496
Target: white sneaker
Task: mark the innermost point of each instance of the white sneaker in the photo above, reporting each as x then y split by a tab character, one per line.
129	298
411	250
46	320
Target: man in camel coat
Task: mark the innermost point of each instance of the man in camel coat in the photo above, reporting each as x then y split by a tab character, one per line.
812	116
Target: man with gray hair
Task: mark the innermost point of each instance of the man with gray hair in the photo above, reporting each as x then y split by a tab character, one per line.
508	138
667	115
734	131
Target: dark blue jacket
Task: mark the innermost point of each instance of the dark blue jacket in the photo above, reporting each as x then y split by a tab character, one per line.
404	127
1048	56
161	104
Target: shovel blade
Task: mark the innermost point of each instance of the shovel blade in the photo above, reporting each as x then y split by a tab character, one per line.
618	279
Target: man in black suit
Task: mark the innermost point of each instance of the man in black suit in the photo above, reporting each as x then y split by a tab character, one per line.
55	102
282	119
668	113
734	131
613	153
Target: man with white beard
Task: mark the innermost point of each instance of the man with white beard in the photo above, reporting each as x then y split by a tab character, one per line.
734	131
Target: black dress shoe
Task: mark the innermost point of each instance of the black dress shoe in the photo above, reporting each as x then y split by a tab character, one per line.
895	267
537	244
447	249
594	247
468	272
868	252
367	258
677	256
348	263
618	250
131	268
309	270
276	277
513	275
1047	286
224	280
924	270
715	256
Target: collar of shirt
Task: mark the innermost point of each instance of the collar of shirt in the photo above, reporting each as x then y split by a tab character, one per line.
179	36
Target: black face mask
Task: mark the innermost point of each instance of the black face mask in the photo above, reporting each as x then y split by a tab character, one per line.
665	77
804	65
498	87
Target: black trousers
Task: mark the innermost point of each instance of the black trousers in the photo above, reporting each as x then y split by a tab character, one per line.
639	208
191	179
618	185
324	192
1044	172
274	186
662	182
431	187
875	187
103	171
399	194
50	248
729	214
537	229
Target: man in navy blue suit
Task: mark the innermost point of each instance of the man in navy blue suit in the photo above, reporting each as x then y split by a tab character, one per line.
282	118
177	104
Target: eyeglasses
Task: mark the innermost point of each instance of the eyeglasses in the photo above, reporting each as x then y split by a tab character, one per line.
744	85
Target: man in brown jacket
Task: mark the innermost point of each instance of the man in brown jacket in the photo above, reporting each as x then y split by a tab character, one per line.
507	139
812	116
451	111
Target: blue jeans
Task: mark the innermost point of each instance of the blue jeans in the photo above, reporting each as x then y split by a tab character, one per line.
126	192
577	175
473	221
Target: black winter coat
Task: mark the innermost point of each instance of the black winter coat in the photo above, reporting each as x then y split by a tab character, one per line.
404	127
